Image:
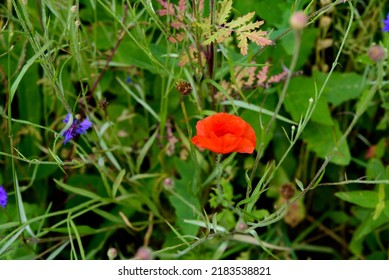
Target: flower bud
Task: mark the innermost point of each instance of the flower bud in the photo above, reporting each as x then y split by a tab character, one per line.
112	253
74	9
376	53
240	226
325	22
77	23
144	253
168	184
298	20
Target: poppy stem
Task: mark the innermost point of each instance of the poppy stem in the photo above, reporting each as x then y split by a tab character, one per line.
219	172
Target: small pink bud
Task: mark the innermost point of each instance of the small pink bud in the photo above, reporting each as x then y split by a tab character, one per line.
376	53
112	253
144	253
240	226
298	20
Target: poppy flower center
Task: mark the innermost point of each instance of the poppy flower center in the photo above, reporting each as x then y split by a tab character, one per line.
222	128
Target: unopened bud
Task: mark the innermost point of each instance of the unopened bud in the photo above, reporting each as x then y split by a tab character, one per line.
144	253
112	253
376	53
168	184
74	9
298	20
325	22
77	23
240	226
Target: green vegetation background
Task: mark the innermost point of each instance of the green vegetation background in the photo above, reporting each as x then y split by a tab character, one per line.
134	186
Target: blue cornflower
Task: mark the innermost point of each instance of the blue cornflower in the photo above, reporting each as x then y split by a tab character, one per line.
76	128
3	197
386	24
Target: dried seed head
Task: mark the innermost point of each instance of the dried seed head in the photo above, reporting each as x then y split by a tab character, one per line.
298	20
103	104
287	191
376	53
184	87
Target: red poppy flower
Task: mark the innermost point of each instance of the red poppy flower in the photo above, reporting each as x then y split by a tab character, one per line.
224	133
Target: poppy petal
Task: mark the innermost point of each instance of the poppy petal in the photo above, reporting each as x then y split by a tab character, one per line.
225	133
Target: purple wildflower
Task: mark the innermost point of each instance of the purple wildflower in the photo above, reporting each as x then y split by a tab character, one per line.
3	197
386	24
76	128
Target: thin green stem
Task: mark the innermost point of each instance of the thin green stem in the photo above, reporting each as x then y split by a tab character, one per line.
280	102
219	172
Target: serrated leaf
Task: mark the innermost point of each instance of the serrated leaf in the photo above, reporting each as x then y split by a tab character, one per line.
258	38
241	21
243	45
249	26
225	9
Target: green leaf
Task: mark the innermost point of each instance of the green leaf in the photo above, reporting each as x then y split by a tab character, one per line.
118	181
322	139
299	184
186	205
183	199
341	87
272	12
375	169
381	201
144	150
82	230
79	191
108	216
139	100
368	199
369	224
301	89
386	209
25	68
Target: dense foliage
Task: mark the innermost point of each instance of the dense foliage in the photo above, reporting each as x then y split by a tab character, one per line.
128	129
